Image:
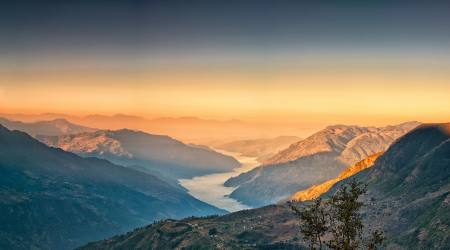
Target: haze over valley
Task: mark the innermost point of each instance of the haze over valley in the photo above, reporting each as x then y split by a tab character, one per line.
224	125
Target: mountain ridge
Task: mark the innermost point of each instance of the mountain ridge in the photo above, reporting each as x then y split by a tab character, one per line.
57	126
195	130
155	154
409	187
55	199
321	157
339	138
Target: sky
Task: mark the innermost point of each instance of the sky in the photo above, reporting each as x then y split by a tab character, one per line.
322	62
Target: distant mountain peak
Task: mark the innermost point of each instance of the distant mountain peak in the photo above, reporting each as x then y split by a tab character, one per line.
349	140
99	142
137	148
46	127
314	160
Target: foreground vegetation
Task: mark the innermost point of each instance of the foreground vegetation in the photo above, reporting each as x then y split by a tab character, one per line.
337	223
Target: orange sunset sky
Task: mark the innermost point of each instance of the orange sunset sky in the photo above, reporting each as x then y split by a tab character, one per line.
344	95
317	65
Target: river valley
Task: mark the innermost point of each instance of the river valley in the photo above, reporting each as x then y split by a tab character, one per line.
210	188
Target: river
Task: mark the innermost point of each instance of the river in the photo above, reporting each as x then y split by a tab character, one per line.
210	189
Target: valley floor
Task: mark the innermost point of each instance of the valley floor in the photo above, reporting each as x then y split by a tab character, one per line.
210	188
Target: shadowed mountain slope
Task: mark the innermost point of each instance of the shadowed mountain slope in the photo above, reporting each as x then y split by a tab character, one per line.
52	199
409	189
155	154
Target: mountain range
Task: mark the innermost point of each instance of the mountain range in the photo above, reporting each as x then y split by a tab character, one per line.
408	197
156	154
195	130
352	143
316	159
48	127
53	199
160	155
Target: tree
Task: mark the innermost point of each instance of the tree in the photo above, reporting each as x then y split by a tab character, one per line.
314	224
345	220
338	219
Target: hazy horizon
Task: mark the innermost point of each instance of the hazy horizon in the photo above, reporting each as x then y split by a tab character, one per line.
190	129
314	64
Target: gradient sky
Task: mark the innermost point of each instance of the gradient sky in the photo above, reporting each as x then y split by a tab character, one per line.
347	62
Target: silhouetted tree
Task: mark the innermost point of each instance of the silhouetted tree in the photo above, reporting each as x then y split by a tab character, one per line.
345	220
314	222
339	219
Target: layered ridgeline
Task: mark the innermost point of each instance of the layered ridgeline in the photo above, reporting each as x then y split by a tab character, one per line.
408	196
50	127
52	199
188	129
263	148
156	154
311	161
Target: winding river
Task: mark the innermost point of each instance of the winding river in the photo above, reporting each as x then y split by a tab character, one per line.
210	189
